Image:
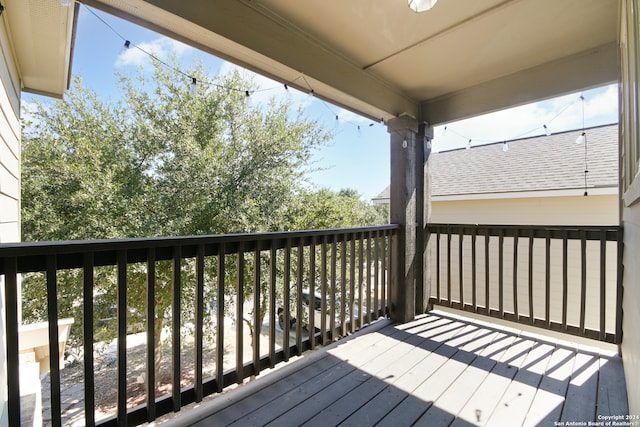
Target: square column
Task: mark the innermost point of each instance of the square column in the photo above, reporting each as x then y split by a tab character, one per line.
410	208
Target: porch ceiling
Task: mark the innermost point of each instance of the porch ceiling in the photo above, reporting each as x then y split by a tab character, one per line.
381	59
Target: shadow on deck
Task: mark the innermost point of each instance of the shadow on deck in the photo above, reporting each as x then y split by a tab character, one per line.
440	369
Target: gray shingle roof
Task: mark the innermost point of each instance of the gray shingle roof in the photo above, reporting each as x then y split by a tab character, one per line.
540	163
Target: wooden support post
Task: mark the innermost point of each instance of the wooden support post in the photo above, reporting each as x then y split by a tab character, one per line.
410	207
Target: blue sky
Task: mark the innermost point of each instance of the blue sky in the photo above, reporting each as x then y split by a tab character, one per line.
358	156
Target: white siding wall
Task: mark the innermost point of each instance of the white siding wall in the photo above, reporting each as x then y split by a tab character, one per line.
580	210
630	150
9	178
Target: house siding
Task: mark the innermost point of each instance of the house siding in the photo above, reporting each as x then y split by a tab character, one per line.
579	210
629	151
9	178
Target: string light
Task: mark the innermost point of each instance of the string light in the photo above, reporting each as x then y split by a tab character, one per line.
199	82
193	90
288	92
505	147
582	139
195	82
468	144
545	127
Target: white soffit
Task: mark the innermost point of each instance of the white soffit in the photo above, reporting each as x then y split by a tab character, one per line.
42	34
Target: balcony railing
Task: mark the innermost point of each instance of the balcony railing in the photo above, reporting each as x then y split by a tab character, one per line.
332	281
242	303
566	279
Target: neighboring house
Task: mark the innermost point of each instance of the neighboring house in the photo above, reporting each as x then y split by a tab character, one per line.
538	181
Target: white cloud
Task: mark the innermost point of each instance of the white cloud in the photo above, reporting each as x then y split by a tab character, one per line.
161	47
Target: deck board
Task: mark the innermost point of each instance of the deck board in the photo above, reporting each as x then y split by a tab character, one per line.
440	369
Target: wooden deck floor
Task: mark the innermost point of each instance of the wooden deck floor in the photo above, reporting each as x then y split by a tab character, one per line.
438	370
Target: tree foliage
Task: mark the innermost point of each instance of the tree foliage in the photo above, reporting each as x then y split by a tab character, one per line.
164	162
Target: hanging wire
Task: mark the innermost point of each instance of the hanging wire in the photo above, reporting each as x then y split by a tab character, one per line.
520	135
247	93
584	135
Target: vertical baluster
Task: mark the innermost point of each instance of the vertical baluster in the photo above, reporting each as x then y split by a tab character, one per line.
151	348
474	279
438	296
547	280
376	274
461	267
175	328
386	245
323	292
501	272
352	283
583	287
515	275
299	305
565	278
122	337
273	276
220	318
54	352
368	279
603	283
486	272
343	284
199	330
89	380
256	309
449	298
531	313
240	315
13	358
332	314
312	292
361	279
286	296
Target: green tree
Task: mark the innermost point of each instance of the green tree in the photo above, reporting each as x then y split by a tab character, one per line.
329	209
159	162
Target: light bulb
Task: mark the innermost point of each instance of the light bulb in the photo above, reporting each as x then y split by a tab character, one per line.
193	90
582	138
404	143
546	130
505	147
289	95
468	144
421	5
